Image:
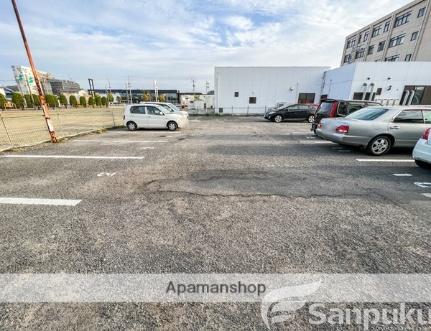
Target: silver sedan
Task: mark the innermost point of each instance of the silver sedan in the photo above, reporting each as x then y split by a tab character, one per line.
378	129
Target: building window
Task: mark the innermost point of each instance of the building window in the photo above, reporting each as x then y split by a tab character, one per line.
421	12
360	53
381	46
351	43
306	97
347	58
387	25
360	38
392	58
402	19
236	94
371	50
398	40
379	91
358	96
414	36
376	31
366	35
252	100
408	57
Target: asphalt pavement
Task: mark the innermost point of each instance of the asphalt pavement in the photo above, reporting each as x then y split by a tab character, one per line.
226	195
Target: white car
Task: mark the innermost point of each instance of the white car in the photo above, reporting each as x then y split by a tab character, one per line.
422	151
152	116
169	107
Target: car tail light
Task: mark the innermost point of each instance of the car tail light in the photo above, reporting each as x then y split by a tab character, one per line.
342	129
320	125
426	134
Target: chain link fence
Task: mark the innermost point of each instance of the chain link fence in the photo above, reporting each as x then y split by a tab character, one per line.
239	111
25	128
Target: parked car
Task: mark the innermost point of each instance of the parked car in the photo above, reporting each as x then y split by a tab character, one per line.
169	107
422	151
378	129
152	116
330	108
298	112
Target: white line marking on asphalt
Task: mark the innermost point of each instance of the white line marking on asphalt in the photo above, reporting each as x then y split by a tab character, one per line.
311	142
310	138
106	174
75	157
45	202
385	160
123	141
403	175
428	195
423	185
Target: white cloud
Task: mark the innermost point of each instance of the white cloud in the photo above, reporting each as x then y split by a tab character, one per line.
239	22
174	41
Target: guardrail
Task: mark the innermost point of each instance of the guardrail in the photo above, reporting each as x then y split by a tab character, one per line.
26	128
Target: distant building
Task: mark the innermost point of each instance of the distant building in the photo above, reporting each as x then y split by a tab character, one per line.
252	90
403	35
399	83
137	96
26	82
59	86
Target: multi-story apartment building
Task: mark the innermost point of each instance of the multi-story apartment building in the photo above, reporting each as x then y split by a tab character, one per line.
403	35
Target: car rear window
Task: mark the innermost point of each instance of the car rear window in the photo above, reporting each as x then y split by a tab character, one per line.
367	114
325	107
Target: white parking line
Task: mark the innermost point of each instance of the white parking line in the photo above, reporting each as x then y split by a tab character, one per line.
123	141
428	195
403	175
423	185
85	157
45	202
386	160
312	142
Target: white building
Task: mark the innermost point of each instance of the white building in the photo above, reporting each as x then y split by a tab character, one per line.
388	82
251	90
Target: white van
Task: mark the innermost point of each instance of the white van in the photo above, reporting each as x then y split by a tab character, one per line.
152	117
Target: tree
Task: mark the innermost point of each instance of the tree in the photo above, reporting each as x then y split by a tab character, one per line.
104	101
82	102
18	100
51	100
36	100
3	101
147	96
98	100
29	101
110	97
162	98
91	101
73	101
63	100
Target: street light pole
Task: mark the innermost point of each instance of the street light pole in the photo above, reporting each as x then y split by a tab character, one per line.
36	78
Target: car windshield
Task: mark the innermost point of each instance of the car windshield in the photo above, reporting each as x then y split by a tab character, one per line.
367	114
169	109
325	107
172	107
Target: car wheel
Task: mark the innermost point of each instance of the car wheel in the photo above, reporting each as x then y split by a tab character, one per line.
310	119
132	126
423	164
379	146
172	126
278	119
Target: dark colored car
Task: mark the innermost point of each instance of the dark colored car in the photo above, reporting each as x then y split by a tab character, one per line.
298	112
339	108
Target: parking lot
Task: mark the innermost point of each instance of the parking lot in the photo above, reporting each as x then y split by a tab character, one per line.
226	195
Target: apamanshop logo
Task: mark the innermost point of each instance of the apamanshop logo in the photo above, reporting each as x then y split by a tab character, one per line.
278	305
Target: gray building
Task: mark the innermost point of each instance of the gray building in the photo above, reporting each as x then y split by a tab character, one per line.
59	86
403	35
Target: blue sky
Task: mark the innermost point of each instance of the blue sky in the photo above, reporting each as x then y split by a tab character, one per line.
175	41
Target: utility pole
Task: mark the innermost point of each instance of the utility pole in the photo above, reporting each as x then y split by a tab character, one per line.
194	85
207	86
43	103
